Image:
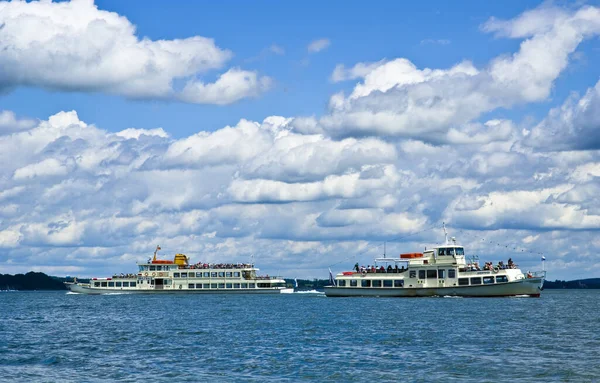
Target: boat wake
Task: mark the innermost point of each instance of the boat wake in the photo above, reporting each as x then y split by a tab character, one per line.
309	292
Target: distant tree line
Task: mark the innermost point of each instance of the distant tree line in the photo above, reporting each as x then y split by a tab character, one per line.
31	281
308	284
592	283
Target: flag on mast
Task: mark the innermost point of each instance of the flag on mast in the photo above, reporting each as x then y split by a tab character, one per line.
543	258
331	279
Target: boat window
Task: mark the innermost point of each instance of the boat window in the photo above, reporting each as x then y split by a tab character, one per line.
236	285
119	284
131	284
96	284
125	284
451	273
412	274
158	268
236	274
152	268
441	273
213	274
175	275
251	285
206	285
501	278
460	251
228	285
431	273
111	284
221	274
441	252
198	285
488	280
104	284
398	283
206	274
365	283
213	285
341	283
463	281
377	283
191	285
183	275
166	282
476	281
388	283
198	275
263	285
228	274
244	285
353	283
421	274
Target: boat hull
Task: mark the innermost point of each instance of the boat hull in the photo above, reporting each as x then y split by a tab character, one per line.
84	289
524	287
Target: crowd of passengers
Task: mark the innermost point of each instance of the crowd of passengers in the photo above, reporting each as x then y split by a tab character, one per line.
381	269
201	265
490	266
116	276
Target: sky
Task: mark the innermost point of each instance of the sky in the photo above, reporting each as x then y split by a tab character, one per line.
302	136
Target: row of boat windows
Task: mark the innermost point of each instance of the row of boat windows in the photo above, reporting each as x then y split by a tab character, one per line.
439	273
371	283
222	286
158	267
400	283
451	251
482	280
206	274
228	285
114	284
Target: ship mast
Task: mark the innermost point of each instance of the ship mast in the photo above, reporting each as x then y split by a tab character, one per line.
155	251
445	232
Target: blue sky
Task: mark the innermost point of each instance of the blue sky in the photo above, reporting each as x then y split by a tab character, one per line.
114	116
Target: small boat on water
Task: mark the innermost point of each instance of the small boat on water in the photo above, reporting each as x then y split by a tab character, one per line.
440	271
179	276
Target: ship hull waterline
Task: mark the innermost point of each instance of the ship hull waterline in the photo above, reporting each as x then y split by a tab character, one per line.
525	287
79	289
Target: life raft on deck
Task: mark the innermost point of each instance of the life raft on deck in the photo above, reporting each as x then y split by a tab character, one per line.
411	255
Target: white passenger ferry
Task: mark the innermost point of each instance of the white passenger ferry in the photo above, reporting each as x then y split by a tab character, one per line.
178	276
441	271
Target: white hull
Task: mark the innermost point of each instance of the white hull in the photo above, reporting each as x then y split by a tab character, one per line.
529	287
85	289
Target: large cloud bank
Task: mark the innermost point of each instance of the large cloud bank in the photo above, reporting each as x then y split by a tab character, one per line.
74	46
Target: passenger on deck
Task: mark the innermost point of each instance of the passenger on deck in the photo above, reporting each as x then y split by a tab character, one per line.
382	269
396	269
356	267
389	268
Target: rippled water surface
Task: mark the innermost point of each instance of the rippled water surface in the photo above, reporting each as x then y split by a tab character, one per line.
57	337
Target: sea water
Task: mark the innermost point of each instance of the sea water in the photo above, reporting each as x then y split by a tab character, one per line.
63	337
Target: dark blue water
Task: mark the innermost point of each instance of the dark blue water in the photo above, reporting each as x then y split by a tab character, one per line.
58	337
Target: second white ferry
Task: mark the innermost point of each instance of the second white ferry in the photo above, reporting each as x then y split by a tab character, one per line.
179	276
441	271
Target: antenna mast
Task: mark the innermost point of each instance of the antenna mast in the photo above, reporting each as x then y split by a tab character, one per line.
384	249
445	232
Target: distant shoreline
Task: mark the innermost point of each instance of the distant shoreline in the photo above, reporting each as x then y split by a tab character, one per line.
40	281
